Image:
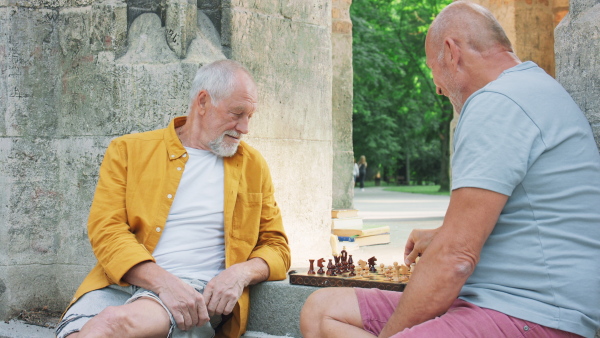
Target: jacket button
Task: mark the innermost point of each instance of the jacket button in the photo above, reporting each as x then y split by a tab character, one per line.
158	229
169	196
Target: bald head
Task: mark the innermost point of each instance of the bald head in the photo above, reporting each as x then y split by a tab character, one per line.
470	24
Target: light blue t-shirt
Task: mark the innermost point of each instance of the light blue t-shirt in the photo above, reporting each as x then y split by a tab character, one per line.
523	136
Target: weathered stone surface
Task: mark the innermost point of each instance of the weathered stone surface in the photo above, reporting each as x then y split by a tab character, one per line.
294	76
180	25
342	94
529	25
316	12
277	308
291	61
147	42
578	67
302	190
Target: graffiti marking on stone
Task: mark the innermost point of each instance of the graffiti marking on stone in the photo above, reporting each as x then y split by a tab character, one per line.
172	35
17	93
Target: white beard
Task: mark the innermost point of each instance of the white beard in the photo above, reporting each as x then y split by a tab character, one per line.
222	148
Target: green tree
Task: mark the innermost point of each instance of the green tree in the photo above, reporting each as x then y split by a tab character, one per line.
400	124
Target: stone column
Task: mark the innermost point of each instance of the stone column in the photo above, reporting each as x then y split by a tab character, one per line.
343	154
577	49
287	46
529	25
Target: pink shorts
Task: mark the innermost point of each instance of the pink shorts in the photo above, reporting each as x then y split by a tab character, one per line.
463	319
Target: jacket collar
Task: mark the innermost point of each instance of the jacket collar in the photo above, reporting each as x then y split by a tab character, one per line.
174	147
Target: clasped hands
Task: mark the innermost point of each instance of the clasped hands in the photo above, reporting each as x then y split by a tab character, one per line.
190	308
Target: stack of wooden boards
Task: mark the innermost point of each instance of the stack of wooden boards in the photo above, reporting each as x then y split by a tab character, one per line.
350	231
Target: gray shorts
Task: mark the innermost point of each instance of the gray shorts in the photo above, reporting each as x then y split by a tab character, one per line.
93	302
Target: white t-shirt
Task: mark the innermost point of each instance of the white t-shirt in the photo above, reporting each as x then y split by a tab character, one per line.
193	244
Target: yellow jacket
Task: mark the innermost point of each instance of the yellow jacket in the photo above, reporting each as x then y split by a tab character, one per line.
138	180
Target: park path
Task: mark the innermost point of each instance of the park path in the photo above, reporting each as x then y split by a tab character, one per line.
402	212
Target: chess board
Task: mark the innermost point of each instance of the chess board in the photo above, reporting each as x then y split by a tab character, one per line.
374	281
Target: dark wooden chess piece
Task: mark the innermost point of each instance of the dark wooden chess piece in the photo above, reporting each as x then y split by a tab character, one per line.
372	261
338	265
344	255
311	269
320	265
351	266
344	259
330	269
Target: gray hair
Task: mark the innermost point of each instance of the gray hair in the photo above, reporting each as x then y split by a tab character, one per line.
218	79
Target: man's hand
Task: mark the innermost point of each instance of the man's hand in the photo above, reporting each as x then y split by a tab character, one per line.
417	242
185	303
222	292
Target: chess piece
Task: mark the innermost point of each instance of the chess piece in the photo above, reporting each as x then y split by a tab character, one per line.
403	269
412	267
351	266
330	268
372	261
381	267
344	255
362	264
344	259
311	269
320	265
359	271
338	264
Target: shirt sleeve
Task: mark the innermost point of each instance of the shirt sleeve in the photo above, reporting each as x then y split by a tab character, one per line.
495	143
114	245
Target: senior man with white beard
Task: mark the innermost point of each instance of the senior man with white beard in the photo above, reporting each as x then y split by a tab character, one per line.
183	221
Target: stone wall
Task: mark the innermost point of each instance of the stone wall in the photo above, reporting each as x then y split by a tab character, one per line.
529	25
343	154
77	73
577	64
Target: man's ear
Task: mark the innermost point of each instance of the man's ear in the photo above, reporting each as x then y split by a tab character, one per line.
452	52
199	104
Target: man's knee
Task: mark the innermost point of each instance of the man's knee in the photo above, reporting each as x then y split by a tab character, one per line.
113	321
315	304
310	315
316	309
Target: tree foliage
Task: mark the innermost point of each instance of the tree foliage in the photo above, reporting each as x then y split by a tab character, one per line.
399	122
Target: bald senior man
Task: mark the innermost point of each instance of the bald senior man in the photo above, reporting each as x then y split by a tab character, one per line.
183	220
517	253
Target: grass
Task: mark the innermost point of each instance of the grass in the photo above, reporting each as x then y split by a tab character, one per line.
418	189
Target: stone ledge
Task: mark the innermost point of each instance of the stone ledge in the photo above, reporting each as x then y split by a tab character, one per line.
275	308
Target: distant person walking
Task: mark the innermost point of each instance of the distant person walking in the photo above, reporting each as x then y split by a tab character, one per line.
362	171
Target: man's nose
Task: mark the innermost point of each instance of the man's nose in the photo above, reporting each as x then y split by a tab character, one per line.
438	90
242	125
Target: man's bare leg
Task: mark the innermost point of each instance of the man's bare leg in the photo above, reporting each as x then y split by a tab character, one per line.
332	312
142	318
